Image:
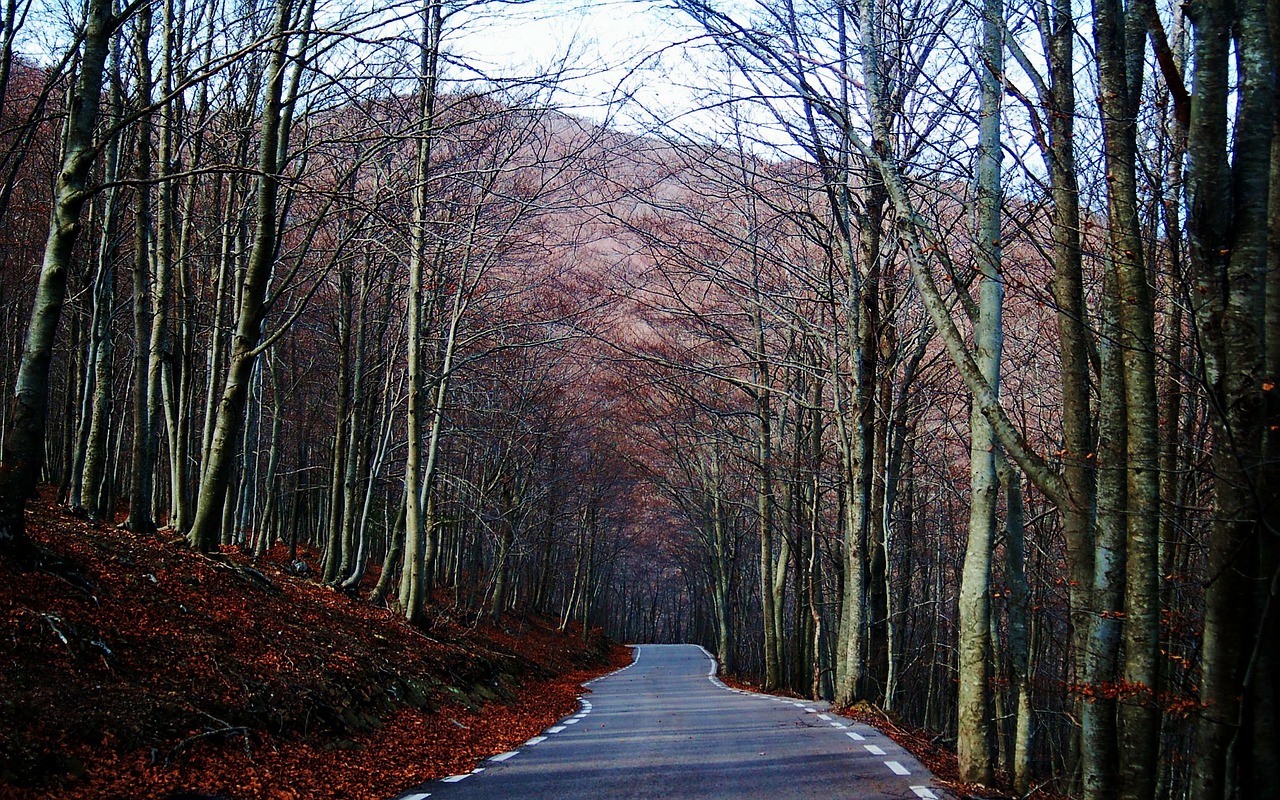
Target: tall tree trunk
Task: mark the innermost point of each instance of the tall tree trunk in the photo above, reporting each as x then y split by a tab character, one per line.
342	417
1099	754
162	277
974	726
1229	226
142	460
24	445
1019	610
97	410
357	441
1120	37
271	506
216	476
764	498
413	574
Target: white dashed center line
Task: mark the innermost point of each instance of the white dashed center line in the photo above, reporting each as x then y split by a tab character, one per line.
824	717
874	749
536	740
924	793
897	768
555	729
506	755
455	778
572	721
857	737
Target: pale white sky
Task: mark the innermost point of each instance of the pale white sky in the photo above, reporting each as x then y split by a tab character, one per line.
610	48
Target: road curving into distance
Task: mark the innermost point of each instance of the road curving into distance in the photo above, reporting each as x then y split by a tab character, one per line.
666	727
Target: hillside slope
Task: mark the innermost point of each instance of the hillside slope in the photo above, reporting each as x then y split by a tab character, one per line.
137	669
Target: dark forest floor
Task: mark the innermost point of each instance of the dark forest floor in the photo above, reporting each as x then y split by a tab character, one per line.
142	670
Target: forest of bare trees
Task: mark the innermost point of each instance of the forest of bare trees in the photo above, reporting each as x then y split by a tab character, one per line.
932	366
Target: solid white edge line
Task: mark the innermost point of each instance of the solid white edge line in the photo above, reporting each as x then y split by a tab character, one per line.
924	793
504	756
715	665
874	749
896	768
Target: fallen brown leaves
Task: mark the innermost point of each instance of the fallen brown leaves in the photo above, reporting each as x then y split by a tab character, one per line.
139	669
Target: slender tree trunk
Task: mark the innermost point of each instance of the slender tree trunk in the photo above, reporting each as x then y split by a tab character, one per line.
413	574
1019	609
1099	752
142	461
765	503
1079	449
342	416
158	343
271	505
357	440
720	567
86	489
395	547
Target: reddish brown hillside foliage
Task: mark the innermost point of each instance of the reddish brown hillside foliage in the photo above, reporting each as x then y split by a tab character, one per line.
141	670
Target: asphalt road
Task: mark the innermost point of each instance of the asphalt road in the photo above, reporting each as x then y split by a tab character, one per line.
666	727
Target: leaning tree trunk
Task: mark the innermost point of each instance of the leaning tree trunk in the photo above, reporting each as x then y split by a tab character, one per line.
24	445
206	528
